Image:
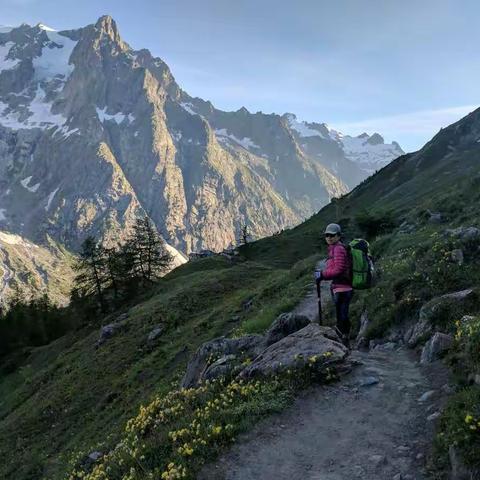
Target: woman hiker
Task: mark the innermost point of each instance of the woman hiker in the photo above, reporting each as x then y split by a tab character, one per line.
339	270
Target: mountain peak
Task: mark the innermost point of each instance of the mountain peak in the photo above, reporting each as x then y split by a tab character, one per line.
107	25
375	139
42	26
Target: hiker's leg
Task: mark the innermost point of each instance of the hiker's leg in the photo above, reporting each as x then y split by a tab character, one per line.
342	305
337	299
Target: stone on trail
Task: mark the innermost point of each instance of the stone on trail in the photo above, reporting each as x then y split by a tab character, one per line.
362	342
298	349
367	381
426	396
378	460
432	417
437	346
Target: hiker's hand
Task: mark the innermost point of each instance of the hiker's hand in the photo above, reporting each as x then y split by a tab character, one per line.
317	275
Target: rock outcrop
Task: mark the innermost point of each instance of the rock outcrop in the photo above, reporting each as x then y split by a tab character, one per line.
291	342
436	347
430	315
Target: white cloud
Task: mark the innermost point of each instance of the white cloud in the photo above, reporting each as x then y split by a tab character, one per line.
411	130
421	122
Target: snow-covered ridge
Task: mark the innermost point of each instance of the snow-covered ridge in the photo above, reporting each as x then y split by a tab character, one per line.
302	128
370	152
42	26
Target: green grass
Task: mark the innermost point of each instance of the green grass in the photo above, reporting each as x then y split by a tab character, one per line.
69	395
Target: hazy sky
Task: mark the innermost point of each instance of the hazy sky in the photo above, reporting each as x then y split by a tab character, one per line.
402	68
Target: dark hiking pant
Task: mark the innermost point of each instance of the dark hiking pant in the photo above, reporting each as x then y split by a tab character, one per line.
342	302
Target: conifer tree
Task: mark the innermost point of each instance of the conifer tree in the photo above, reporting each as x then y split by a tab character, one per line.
245	235
145	251
92	274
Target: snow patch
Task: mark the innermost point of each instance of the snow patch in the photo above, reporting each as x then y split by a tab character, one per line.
2	214
177	136
40	114
65	130
41	26
50	198
55	57
301	127
188	107
25	183
245	142
117	117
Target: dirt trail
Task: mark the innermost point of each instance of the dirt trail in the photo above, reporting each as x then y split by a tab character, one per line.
371	425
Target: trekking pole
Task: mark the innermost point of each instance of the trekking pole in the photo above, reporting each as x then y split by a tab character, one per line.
319	303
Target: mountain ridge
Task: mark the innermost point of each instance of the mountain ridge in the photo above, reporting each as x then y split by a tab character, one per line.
84	94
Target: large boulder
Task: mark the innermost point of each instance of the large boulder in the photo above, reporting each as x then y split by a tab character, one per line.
110	330
464	233
419	332
225	356
284	325
296	350
436	347
228	349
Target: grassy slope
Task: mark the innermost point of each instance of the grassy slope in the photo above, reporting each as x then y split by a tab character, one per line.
70	396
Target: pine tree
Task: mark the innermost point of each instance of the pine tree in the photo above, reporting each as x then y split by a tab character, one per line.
92	273
114	269
245	235
145	251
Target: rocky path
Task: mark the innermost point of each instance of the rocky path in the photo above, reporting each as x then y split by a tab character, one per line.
375	424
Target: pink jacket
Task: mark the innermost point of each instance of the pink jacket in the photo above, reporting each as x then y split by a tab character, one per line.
338	268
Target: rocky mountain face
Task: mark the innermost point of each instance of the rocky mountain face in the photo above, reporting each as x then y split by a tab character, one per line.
34	268
92	133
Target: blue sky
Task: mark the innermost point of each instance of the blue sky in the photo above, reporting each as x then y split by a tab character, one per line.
404	69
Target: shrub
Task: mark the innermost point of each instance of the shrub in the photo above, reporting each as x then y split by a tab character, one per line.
460	427
373	224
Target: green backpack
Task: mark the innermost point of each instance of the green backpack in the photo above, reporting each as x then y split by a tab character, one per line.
363	271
